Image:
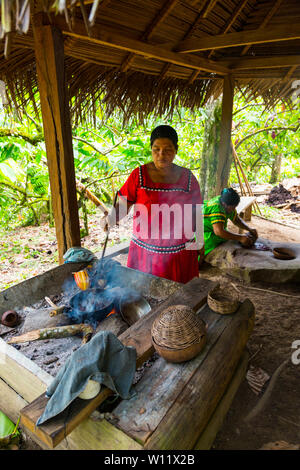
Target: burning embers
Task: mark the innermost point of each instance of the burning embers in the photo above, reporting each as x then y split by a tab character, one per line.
84	310
104	296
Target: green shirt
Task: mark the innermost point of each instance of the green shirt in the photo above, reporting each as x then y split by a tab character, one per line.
214	212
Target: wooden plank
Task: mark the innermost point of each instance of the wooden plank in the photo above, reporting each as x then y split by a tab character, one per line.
245	203
194	294
224	159
266	20
49	54
162	384
89	435
244	63
189	415
158	19
285	32
22	374
208	436
107	36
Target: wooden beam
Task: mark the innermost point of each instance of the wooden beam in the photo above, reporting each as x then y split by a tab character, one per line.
107	37
265	22
205	389
225	134
238	9
286	32
215	423
204	12
244	63
159	18
193	294
49	53
20	382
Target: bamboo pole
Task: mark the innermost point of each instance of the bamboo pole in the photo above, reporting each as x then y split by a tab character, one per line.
243	193
244	176
92	197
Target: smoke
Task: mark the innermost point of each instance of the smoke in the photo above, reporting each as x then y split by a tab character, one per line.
108	290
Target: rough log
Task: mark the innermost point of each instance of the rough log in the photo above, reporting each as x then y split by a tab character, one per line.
206	387
49	53
55	332
194	294
225	155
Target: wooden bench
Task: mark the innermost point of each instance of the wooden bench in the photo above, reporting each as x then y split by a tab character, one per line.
244	208
176	406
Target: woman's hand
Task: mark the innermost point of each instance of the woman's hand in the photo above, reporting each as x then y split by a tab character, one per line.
246	240
253	233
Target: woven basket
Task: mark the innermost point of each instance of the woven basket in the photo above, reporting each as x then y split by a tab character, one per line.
221	301
178	327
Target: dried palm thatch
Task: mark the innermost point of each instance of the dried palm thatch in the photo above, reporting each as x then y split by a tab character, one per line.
100	68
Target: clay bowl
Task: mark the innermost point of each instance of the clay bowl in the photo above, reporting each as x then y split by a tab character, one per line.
281	252
180	355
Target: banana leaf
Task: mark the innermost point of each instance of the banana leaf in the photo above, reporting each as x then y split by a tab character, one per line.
8	430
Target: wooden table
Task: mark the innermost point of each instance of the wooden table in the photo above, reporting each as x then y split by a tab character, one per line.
176	406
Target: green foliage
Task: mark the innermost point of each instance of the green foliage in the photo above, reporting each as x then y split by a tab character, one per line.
105	153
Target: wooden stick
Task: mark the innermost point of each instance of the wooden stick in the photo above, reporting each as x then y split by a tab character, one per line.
56	309
266	290
238	175
244	176
54	332
91	197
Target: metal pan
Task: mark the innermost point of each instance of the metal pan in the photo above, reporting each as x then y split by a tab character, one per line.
131	312
93	304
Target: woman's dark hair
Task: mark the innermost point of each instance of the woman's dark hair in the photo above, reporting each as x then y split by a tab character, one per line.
164	132
230	197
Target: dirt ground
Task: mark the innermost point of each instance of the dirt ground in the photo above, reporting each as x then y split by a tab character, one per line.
276	328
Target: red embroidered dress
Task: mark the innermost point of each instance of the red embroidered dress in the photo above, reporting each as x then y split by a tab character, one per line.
162	216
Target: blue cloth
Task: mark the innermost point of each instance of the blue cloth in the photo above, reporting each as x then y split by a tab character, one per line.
103	359
78	254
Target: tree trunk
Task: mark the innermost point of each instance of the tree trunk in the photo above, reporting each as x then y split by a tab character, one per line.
210	152
276	169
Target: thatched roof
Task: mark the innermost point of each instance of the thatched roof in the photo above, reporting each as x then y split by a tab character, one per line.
150	55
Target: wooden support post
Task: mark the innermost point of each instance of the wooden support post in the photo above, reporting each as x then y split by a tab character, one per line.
225	134
49	53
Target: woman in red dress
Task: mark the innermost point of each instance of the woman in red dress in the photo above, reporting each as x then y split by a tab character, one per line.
164	196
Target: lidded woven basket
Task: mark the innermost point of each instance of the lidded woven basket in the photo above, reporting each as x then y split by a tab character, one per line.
222	301
178	334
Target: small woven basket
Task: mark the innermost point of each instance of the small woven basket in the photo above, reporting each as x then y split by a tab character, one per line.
178	327
221	301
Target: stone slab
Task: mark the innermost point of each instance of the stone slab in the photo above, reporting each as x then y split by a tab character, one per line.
253	265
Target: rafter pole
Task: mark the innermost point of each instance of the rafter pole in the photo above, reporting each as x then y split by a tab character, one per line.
107	36
244	63
159	18
49	53
225	154
204	12
237	11
284	32
265	22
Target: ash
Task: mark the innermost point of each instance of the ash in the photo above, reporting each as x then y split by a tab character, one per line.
51	354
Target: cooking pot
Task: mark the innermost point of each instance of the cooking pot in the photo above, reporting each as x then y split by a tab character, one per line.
91	304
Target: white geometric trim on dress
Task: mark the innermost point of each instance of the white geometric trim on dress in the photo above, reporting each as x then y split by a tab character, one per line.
164	250
164	189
